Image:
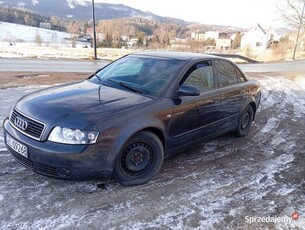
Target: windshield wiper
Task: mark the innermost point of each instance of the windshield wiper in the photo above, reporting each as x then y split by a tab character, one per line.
98	77
127	86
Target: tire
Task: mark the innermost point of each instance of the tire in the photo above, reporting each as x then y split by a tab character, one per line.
139	160
245	122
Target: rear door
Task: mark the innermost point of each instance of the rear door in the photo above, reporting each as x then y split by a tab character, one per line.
232	94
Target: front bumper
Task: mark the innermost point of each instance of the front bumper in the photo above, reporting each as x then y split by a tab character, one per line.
63	161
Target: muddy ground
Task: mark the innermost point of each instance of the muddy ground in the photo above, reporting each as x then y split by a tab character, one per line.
219	184
18	79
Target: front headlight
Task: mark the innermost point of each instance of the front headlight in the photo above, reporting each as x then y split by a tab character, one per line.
73	136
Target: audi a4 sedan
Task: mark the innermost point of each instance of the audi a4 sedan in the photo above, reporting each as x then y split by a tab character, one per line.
126	118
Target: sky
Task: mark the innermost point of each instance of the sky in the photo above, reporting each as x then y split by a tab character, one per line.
239	13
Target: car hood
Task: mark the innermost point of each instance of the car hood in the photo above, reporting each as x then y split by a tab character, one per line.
77	105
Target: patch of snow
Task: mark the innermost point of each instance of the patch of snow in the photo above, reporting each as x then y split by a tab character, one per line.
300	81
285	191
70	4
278	139
73	3
35	2
271	124
175	219
21	4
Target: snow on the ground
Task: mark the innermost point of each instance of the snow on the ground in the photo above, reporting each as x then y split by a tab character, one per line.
11	32
32	50
56	50
18	41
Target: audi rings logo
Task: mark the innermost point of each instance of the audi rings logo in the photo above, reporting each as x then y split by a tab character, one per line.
20	123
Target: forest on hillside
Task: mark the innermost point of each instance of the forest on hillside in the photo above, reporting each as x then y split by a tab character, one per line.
21	16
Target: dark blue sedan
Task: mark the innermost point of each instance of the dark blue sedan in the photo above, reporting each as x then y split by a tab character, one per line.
127	117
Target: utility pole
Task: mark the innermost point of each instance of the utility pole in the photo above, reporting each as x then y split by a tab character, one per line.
94	32
297	39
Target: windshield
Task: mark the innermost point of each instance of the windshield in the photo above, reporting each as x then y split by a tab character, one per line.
147	75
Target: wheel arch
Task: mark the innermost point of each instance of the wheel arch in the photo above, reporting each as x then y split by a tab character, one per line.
158	133
155	127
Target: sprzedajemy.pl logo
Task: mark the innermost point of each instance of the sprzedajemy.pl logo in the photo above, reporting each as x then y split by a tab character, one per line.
272	219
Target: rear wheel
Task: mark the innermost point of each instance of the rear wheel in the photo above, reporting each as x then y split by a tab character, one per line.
245	122
140	159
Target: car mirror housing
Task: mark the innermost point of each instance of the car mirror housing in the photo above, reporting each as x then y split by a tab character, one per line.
188	90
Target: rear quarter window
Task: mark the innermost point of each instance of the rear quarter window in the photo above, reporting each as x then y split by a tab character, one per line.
240	76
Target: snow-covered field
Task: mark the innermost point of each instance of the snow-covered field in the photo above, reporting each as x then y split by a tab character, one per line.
10	32
213	186
18	41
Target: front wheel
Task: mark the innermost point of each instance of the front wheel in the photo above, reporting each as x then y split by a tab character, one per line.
140	159
245	122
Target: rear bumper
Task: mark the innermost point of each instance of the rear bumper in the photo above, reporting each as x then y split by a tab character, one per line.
63	161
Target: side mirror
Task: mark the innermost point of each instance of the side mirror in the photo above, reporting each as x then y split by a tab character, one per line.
188	90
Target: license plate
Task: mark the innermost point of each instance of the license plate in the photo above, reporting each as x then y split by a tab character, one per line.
17	146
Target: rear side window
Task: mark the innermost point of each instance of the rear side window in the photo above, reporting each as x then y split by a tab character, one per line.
226	73
201	76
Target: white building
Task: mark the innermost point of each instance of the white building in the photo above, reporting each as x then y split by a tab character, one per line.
258	38
45	25
132	42
198	36
212	35
223	43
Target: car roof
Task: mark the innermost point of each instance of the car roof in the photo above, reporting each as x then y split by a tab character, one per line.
174	55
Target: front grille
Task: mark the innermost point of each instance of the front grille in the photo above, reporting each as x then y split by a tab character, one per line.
33	129
23	160
43	169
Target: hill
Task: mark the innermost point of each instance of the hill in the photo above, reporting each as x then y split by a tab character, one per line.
82	10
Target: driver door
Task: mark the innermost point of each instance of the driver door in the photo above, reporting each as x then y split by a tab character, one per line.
196	116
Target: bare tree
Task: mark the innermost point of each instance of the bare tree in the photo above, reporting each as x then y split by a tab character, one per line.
38	39
73	28
55	21
291	12
294	16
237	40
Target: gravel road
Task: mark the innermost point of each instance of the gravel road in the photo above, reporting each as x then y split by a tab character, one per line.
218	184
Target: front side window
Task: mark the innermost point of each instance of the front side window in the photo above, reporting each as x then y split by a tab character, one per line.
201	76
226	73
143	74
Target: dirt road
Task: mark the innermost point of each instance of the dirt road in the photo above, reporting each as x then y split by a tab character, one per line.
219	184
